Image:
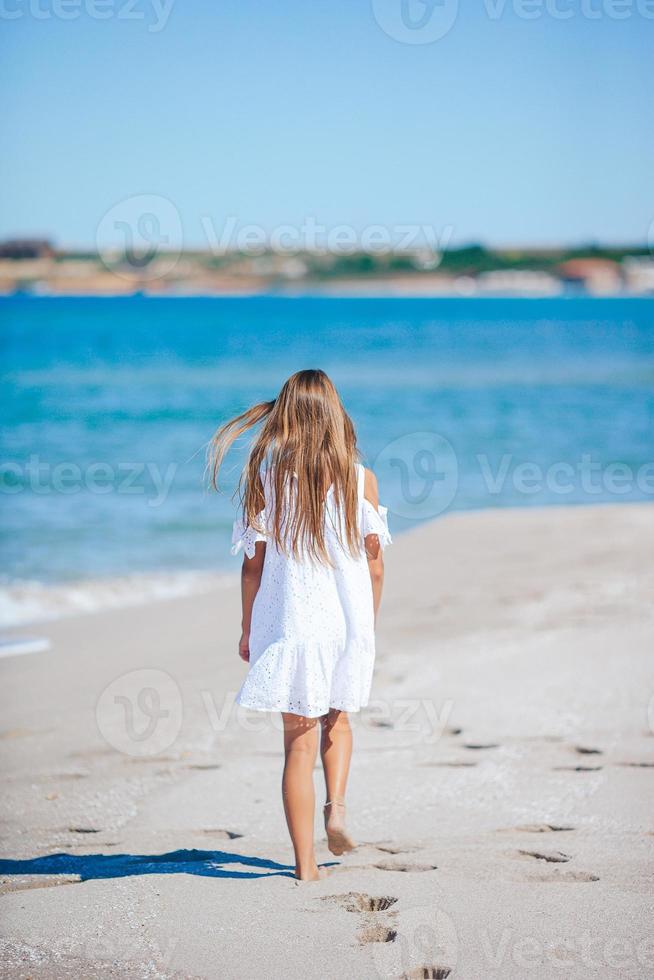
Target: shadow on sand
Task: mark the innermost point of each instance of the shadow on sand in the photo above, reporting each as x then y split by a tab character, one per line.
212	864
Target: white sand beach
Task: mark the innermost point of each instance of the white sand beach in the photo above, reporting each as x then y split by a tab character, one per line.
502	788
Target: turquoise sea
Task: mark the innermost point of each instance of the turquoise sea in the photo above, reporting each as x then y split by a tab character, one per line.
459	403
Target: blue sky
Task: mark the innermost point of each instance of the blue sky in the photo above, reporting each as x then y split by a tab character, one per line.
506	130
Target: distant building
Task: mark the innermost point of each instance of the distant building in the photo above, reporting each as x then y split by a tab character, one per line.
518	282
26	248
601	277
639	275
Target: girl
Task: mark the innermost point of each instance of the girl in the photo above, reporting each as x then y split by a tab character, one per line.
312	534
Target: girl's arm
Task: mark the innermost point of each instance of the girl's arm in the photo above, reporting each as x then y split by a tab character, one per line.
374	551
250	582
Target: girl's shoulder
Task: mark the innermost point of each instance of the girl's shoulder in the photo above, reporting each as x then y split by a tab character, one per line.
370	490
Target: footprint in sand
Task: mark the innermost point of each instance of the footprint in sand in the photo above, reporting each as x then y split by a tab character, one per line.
360	902
427	973
219	833
451	765
572	876
373	931
553	857
377	934
543	828
372	903
105	843
396	848
399	866
577	768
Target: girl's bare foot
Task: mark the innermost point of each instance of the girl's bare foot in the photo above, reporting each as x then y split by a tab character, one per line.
312	874
338	839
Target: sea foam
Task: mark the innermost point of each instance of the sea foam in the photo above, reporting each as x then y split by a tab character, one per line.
23	602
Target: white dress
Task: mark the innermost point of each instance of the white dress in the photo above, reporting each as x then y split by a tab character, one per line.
312	640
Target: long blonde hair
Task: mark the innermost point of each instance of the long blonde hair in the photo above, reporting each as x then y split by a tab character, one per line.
306	445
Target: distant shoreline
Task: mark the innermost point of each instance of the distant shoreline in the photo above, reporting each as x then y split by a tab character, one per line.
330	294
39	267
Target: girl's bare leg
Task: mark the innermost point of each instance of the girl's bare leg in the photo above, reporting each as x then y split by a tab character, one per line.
336	752
300	748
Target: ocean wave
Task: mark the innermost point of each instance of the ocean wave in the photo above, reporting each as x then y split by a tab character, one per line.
24	602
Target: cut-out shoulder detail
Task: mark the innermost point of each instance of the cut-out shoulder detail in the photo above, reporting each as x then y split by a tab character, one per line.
375	521
245	538
312	643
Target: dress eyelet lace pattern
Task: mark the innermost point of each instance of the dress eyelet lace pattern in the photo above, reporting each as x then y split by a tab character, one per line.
312	639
